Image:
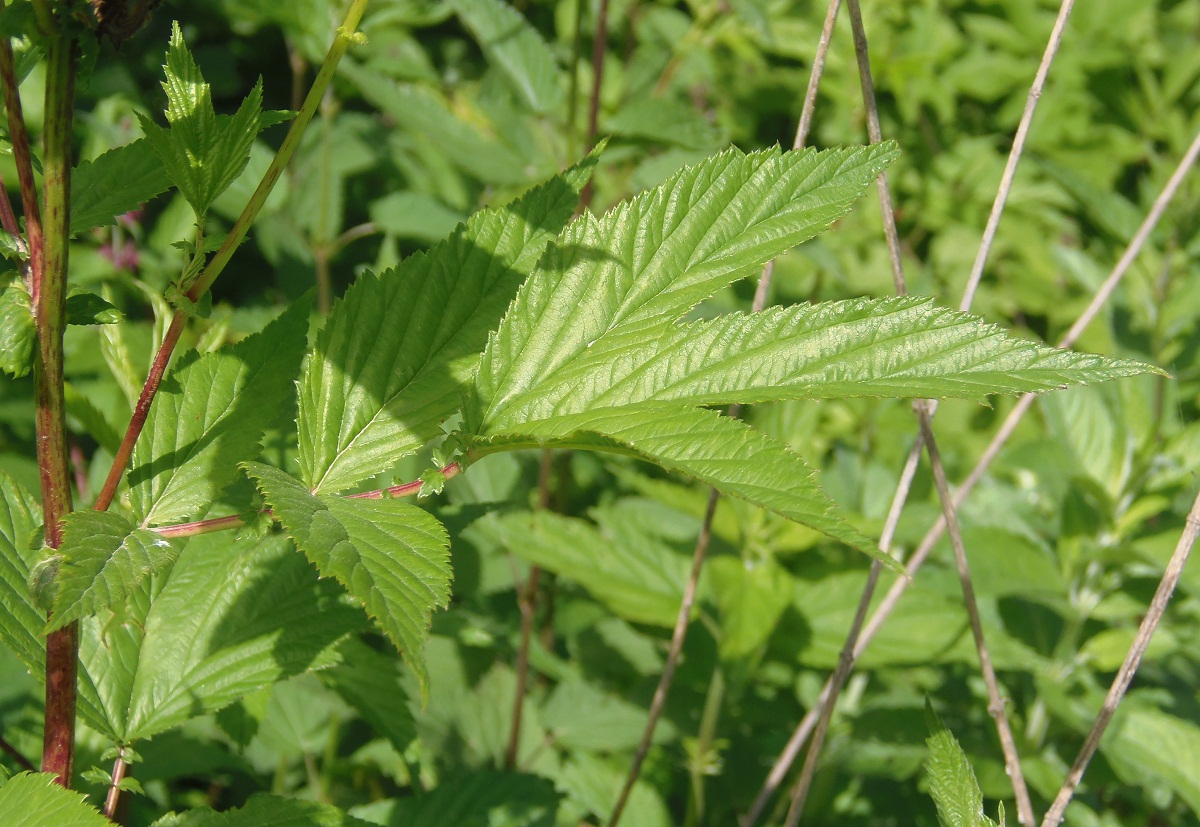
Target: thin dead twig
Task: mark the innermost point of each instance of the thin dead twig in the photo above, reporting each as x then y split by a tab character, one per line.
1014	154
1120	684
924	414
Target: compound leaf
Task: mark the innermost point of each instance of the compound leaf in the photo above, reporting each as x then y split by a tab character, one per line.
392	557
391	362
209	416
202	153
37	800
104	559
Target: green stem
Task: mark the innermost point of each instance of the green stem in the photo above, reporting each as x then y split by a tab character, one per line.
62	646
237	235
701	761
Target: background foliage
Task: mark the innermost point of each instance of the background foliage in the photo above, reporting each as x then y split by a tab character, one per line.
451	106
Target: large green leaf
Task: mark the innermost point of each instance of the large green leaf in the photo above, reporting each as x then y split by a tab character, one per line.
591	352
37	800
899	347
118	181
20	620
230	617
392	361
653	258
105	558
209	415
465	140
516	49
391	556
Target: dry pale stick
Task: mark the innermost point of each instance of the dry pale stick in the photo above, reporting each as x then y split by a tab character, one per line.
845	661
888	604
1162	596
681	620
1014	154
1008	745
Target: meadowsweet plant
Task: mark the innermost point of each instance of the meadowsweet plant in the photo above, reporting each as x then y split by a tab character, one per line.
226	547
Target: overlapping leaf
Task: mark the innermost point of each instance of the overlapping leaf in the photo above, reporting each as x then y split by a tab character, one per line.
655	257
514	47
209	416
228	619
392	360
592	350
391	556
105	557
116	182
899	347
202	153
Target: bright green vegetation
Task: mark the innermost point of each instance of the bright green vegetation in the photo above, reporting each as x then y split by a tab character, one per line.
448	390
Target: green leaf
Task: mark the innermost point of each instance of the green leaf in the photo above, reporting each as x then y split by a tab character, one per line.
105	558
637	578
18	332
391	556
474	799
652	259
229	618
209	415
392	361
370	682
751	597
85	308
430	116
120	180
718	450
37	800
899	347
266	811
21	622
414	215
202	153
952	781
516	49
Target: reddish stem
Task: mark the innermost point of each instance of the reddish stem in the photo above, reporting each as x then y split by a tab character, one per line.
24	161
140	411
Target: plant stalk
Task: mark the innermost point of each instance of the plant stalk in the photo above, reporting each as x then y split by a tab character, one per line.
233	240
62	646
